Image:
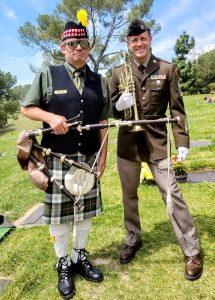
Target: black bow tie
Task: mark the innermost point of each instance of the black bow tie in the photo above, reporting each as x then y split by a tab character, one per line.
141	68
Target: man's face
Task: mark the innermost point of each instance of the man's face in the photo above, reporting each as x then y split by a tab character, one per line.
76	51
139	46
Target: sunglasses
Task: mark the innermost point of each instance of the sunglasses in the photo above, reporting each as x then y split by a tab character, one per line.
74	44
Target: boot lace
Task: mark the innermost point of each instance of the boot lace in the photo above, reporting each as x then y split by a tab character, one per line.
83	258
63	268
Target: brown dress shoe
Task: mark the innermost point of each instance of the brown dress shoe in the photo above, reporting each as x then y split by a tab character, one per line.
193	266
128	253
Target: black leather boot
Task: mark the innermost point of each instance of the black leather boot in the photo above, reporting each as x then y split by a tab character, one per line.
66	285
85	268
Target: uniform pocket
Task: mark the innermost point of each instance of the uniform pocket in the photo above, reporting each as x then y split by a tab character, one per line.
158	90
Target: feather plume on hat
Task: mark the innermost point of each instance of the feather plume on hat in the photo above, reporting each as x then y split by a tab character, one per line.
82	17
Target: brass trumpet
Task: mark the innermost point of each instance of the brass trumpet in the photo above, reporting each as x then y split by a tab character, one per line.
127	82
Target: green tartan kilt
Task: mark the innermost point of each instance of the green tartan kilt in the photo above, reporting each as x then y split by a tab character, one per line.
58	209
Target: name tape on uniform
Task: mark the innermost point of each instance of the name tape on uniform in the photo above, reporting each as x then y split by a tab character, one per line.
59	92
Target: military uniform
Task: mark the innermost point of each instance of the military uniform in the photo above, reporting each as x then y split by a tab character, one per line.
155	90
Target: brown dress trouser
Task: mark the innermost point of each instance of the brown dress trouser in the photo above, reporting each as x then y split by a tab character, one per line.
181	220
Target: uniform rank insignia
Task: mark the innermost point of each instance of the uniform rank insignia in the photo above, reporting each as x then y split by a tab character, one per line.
159	77
60	92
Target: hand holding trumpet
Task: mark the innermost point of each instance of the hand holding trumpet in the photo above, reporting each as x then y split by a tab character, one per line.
126	100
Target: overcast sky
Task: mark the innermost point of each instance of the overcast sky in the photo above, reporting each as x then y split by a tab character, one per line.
196	17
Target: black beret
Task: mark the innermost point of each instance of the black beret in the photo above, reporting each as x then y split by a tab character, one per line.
74	30
137	27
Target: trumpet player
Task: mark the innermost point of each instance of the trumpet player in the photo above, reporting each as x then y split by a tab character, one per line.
156	88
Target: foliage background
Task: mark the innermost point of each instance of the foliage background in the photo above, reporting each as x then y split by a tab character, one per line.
107	24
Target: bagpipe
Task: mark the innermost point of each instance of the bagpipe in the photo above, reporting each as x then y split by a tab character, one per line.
79	180
31	156
130	123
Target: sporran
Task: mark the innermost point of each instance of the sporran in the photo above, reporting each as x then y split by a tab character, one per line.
79	182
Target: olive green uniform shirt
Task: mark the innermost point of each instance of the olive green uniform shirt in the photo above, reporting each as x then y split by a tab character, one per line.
41	89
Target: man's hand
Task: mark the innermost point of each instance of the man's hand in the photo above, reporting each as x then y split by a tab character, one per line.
58	124
182	153
126	100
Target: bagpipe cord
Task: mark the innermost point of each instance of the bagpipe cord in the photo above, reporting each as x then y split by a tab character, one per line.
78	197
169	204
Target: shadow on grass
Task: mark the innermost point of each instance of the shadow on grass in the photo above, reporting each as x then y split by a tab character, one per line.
161	236
205	225
7	129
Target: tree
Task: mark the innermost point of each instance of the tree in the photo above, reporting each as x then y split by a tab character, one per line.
3	116
212	87
19	92
107	22
206	70
187	70
6	83
8	109
8	106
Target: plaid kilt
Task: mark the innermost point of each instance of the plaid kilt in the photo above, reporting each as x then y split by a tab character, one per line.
58	209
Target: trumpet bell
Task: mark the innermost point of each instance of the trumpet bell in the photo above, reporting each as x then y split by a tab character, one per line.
137	128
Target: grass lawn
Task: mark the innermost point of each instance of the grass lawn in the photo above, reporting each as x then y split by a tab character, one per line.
27	254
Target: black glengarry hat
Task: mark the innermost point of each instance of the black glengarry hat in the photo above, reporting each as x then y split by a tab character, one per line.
74	30
137	27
